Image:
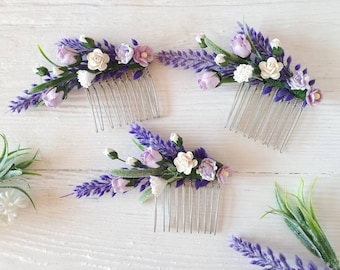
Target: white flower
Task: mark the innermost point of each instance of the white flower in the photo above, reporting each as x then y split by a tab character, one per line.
243	73
157	185
219	59
174	137
97	60
185	162
275	43
10	201
82	38
200	37
270	69
131	161
85	78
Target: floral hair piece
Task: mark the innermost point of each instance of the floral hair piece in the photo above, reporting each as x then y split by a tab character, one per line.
12	168
161	163
99	68
263	70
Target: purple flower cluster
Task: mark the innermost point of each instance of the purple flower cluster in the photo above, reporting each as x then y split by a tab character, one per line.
254	59
82	62
267	260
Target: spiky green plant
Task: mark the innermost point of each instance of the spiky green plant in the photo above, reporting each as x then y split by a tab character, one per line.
299	215
13	165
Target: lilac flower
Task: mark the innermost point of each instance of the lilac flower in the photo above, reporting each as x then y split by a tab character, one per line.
147	139
119	185
124	53
207	169
223	174
240	46
267	260
67	56
150	157
313	96
52	98
299	81
208	80
143	55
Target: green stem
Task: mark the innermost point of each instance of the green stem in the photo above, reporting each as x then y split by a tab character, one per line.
136	173
46	57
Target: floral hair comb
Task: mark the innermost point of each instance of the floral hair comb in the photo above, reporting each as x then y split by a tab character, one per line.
116	80
271	96
12	168
184	184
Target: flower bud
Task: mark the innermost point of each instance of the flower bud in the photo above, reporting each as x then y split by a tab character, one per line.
200	40
131	161
109	152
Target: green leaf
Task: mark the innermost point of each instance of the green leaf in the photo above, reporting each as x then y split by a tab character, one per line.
89	43
301	94
141	147
52	83
134	173
146	195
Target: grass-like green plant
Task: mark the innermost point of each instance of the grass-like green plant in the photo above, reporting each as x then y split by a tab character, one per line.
299	215
13	165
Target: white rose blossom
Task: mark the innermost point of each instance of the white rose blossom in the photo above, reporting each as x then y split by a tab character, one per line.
275	43
157	185
243	73
10	201
85	78
97	60
270	68
185	162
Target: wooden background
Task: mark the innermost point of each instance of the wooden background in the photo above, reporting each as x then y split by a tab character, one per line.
118	233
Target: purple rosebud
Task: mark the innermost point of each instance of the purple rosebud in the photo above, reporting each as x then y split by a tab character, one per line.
66	55
282	92
150	157
208	80
137	74
52	98
119	185
240	46
289	97
134	42
267	90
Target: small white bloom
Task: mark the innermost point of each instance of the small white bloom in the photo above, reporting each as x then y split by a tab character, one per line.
82	38
275	43
219	59
174	137
185	162
108	151
10	201
131	161
57	71
199	37
85	78
243	73
157	185
97	60
270	68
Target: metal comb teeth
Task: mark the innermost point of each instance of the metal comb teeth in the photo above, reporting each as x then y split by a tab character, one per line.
259	117
123	101
185	209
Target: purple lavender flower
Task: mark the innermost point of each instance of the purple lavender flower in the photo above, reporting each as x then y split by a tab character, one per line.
147	139
95	187
24	102
267	260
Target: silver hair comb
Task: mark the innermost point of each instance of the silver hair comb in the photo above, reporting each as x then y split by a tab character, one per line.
271	96
116	79
184	184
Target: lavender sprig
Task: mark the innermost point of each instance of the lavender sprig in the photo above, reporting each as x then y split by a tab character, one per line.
196	60
95	187
24	102
267	260
147	139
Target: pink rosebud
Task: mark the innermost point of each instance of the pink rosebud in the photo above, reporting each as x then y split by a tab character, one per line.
313	96
143	55
52	98
240	46
208	80
66	55
223	174
119	185
150	157
207	169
